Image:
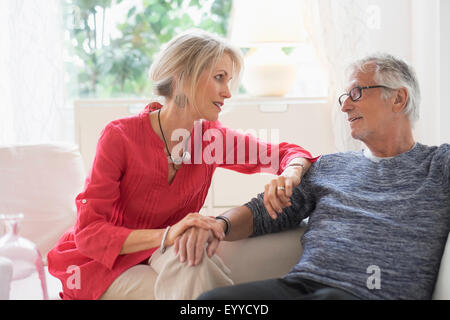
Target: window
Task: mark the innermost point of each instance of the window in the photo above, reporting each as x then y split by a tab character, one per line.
110	44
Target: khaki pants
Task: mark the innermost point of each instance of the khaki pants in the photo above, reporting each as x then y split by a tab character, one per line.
165	278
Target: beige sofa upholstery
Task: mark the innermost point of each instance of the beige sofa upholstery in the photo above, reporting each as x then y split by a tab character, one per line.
42	181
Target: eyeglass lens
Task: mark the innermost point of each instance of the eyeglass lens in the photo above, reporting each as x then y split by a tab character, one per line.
355	93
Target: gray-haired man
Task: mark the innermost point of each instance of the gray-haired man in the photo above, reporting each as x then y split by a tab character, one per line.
378	218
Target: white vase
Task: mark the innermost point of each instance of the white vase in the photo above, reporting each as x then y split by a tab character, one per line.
28	277
6	271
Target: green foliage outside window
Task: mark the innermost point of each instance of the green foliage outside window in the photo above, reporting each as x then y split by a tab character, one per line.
102	66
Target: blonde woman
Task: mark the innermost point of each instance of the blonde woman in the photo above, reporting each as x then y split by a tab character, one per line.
138	234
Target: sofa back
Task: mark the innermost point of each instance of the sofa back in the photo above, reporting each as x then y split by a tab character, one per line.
41	181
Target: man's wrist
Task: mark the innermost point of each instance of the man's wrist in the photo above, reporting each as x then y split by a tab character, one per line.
226	223
223	224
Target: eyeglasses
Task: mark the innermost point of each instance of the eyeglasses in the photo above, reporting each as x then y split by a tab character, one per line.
356	93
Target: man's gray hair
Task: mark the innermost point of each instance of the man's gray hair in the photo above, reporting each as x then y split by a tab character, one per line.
394	73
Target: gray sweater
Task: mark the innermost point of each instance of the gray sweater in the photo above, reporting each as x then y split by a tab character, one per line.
375	229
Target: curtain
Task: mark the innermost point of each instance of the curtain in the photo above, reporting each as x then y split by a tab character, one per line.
32	89
339	31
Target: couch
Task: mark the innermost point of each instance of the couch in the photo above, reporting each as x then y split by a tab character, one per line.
42	181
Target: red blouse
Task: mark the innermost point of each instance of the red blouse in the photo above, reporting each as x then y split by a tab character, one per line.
127	188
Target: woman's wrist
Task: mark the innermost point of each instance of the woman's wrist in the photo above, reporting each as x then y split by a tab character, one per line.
300	165
143	239
164	243
298	169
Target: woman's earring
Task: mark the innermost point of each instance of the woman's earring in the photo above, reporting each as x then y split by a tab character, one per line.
181	100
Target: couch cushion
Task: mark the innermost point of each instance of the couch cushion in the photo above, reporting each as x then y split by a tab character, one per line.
41	181
262	257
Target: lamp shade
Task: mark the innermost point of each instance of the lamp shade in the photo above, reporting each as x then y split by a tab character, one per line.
256	22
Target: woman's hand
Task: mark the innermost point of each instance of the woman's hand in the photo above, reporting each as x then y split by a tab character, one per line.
194	220
277	192
191	245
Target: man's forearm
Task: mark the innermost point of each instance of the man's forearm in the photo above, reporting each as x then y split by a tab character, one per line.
241	219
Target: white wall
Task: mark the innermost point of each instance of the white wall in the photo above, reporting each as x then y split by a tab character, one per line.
431	52
419	32
390	27
444	134
426	59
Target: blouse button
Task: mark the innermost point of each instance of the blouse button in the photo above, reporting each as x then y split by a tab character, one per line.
83	201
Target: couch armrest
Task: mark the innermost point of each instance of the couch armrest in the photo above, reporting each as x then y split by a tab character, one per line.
442	287
263	257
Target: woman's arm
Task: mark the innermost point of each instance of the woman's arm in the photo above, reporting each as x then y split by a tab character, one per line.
95	236
190	245
145	239
247	154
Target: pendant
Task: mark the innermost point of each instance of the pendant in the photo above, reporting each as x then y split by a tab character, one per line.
177	161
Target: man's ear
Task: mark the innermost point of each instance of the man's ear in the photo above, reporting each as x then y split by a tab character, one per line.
400	99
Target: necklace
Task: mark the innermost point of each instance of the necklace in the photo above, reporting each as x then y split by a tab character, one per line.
176	161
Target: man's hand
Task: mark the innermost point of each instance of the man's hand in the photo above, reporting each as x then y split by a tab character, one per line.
194	220
192	242
277	192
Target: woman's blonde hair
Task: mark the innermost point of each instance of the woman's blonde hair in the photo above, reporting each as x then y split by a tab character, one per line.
177	68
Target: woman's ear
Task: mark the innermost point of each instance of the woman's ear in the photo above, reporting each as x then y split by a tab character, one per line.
400	99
